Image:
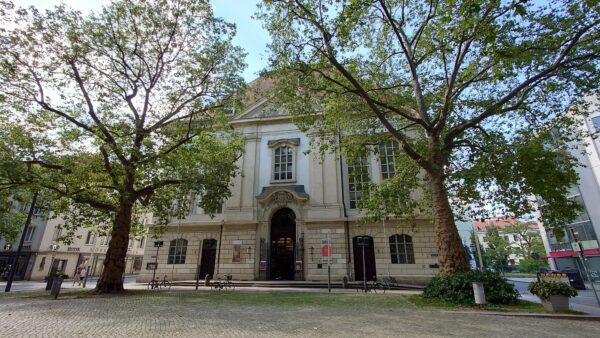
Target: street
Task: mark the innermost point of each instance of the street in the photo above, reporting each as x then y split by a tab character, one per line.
585	300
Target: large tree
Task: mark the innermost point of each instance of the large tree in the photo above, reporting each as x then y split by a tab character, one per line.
467	88
119	112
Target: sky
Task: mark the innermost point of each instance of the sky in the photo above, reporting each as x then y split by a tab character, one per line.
251	36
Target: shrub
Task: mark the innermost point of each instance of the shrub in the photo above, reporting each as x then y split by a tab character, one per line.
458	288
532	265
546	289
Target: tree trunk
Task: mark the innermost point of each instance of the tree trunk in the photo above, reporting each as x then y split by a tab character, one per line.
114	263
451	253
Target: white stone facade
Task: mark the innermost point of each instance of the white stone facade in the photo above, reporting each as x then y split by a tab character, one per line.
315	193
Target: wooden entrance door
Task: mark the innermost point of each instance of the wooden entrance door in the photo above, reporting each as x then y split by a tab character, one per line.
283	242
209	255
369	249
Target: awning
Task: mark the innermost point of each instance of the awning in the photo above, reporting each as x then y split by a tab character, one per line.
572	253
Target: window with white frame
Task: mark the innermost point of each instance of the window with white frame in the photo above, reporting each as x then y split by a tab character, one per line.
388	152
283	163
358	177
284	159
89	240
29	233
177	251
401	249
105	240
141	244
57	234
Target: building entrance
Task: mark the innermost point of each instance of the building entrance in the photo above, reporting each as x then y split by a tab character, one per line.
360	245
209	255
283	243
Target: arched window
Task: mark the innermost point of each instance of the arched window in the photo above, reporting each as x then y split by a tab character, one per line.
177	251
401	249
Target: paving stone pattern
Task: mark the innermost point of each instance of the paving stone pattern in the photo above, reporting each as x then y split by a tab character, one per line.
177	314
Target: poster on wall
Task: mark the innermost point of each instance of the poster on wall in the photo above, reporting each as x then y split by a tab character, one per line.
237	251
326	250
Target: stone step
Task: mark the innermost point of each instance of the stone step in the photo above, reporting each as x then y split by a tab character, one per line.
297	284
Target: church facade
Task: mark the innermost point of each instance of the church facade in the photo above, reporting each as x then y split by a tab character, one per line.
292	215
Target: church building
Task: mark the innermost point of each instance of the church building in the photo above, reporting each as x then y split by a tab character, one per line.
292	215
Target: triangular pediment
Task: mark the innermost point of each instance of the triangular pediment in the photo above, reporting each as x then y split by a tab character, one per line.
261	110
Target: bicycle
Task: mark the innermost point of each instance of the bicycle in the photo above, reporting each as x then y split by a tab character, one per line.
165	283
156	284
223	284
153	284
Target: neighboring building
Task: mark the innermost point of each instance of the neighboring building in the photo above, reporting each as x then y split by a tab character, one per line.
564	254
513	239
31	245
286	206
38	259
465	230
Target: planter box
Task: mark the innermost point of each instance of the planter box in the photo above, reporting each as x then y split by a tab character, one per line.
556	303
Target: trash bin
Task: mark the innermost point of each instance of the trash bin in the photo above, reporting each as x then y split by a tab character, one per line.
56	285
574	279
479	293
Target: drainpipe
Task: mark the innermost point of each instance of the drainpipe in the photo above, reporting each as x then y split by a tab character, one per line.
346	223
219	253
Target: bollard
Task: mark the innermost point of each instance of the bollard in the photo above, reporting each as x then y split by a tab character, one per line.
479	293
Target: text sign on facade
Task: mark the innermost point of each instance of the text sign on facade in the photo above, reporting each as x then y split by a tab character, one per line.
237	252
151	266
326	250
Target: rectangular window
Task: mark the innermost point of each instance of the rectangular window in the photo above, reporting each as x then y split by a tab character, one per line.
283	163
596	123
358	177
141	244
584	230
29	234
57	234
105	240
177	251
387	156
90	238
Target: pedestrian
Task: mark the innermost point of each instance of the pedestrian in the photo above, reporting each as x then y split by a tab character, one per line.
82	274
76	276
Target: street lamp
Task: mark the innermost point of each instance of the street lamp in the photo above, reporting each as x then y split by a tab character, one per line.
157	245
54	248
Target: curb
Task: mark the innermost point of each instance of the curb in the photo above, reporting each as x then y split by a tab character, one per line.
532	315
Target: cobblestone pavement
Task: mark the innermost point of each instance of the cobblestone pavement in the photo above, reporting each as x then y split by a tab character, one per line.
184	314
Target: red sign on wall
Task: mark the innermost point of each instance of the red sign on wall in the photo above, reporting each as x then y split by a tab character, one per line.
326	249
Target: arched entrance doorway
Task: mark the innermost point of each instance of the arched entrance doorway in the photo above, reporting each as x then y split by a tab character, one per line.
283	244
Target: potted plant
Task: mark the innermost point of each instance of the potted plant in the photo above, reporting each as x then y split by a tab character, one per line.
554	295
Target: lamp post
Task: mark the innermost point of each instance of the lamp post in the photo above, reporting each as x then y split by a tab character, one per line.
157	245
15	260
54	248
50	277
575	236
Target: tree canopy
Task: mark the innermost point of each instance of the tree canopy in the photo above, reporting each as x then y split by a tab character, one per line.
119	112
474	92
